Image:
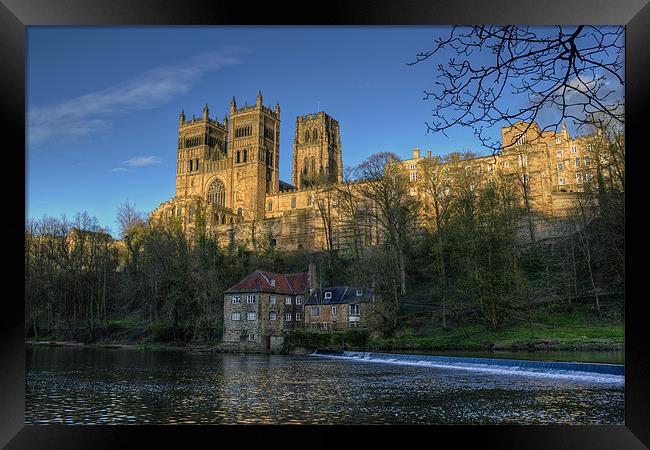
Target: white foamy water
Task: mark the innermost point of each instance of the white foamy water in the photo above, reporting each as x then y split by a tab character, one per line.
514	369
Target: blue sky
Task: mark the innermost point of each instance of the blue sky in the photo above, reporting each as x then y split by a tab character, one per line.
103	103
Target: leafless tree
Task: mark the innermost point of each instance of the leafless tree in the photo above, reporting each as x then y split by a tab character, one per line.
384	183
576	71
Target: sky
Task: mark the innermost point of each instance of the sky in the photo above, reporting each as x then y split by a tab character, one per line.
103	102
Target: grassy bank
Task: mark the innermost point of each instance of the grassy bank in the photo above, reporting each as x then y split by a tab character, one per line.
576	327
561	328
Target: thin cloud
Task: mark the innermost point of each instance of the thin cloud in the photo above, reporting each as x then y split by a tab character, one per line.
84	115
142	161
136	162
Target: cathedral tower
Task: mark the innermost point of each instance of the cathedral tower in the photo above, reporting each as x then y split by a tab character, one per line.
254	146
316	150
200	142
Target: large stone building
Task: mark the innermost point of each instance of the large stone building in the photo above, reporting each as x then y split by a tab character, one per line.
231	170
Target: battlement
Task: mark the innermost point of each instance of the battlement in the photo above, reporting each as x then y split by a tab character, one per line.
314	116
258	106
198	121
203	120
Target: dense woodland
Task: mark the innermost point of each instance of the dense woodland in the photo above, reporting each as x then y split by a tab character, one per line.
471	255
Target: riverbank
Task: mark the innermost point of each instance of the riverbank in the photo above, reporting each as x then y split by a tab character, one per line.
575	329
568	328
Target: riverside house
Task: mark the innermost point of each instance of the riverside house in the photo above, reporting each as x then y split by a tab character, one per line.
339	308
263	306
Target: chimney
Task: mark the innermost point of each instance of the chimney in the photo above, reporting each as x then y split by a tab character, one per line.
429	154
416	153
312	277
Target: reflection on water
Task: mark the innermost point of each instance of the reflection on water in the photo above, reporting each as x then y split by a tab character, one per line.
108	386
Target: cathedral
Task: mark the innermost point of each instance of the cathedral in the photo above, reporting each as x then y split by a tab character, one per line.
233	166
231	170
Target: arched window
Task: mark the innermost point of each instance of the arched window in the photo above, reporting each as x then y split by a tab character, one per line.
305	171
239	212
223	219
238	156
245	155
293	202
217	193
270	206
315	135
306	136
313	165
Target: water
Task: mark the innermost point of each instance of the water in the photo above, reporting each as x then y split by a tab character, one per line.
608	357
117	386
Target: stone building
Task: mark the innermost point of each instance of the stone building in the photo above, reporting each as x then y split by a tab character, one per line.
263	306
231	170
339	308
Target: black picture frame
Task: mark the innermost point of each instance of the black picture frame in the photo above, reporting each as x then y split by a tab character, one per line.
16	15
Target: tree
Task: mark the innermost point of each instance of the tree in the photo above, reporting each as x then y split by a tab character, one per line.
324	198
574	71
384	184
353	217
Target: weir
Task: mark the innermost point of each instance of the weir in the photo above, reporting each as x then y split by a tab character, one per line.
595	371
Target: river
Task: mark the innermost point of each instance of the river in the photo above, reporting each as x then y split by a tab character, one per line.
122	386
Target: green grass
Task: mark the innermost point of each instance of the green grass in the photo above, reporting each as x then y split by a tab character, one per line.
573	328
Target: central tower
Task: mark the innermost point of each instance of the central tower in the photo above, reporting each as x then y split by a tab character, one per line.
316	151
254	148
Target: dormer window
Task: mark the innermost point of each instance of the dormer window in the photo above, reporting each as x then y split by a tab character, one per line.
272	282
328	294
359	292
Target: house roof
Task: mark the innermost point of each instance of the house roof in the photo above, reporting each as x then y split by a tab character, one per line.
261	281
340	295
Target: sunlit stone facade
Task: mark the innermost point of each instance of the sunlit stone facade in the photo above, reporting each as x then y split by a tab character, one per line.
230	169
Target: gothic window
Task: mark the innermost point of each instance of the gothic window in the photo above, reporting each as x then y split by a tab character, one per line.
238	157
239	212
245	155
306	136
293	202
217	193
305	171
191	162
315	135
270	206
313	164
